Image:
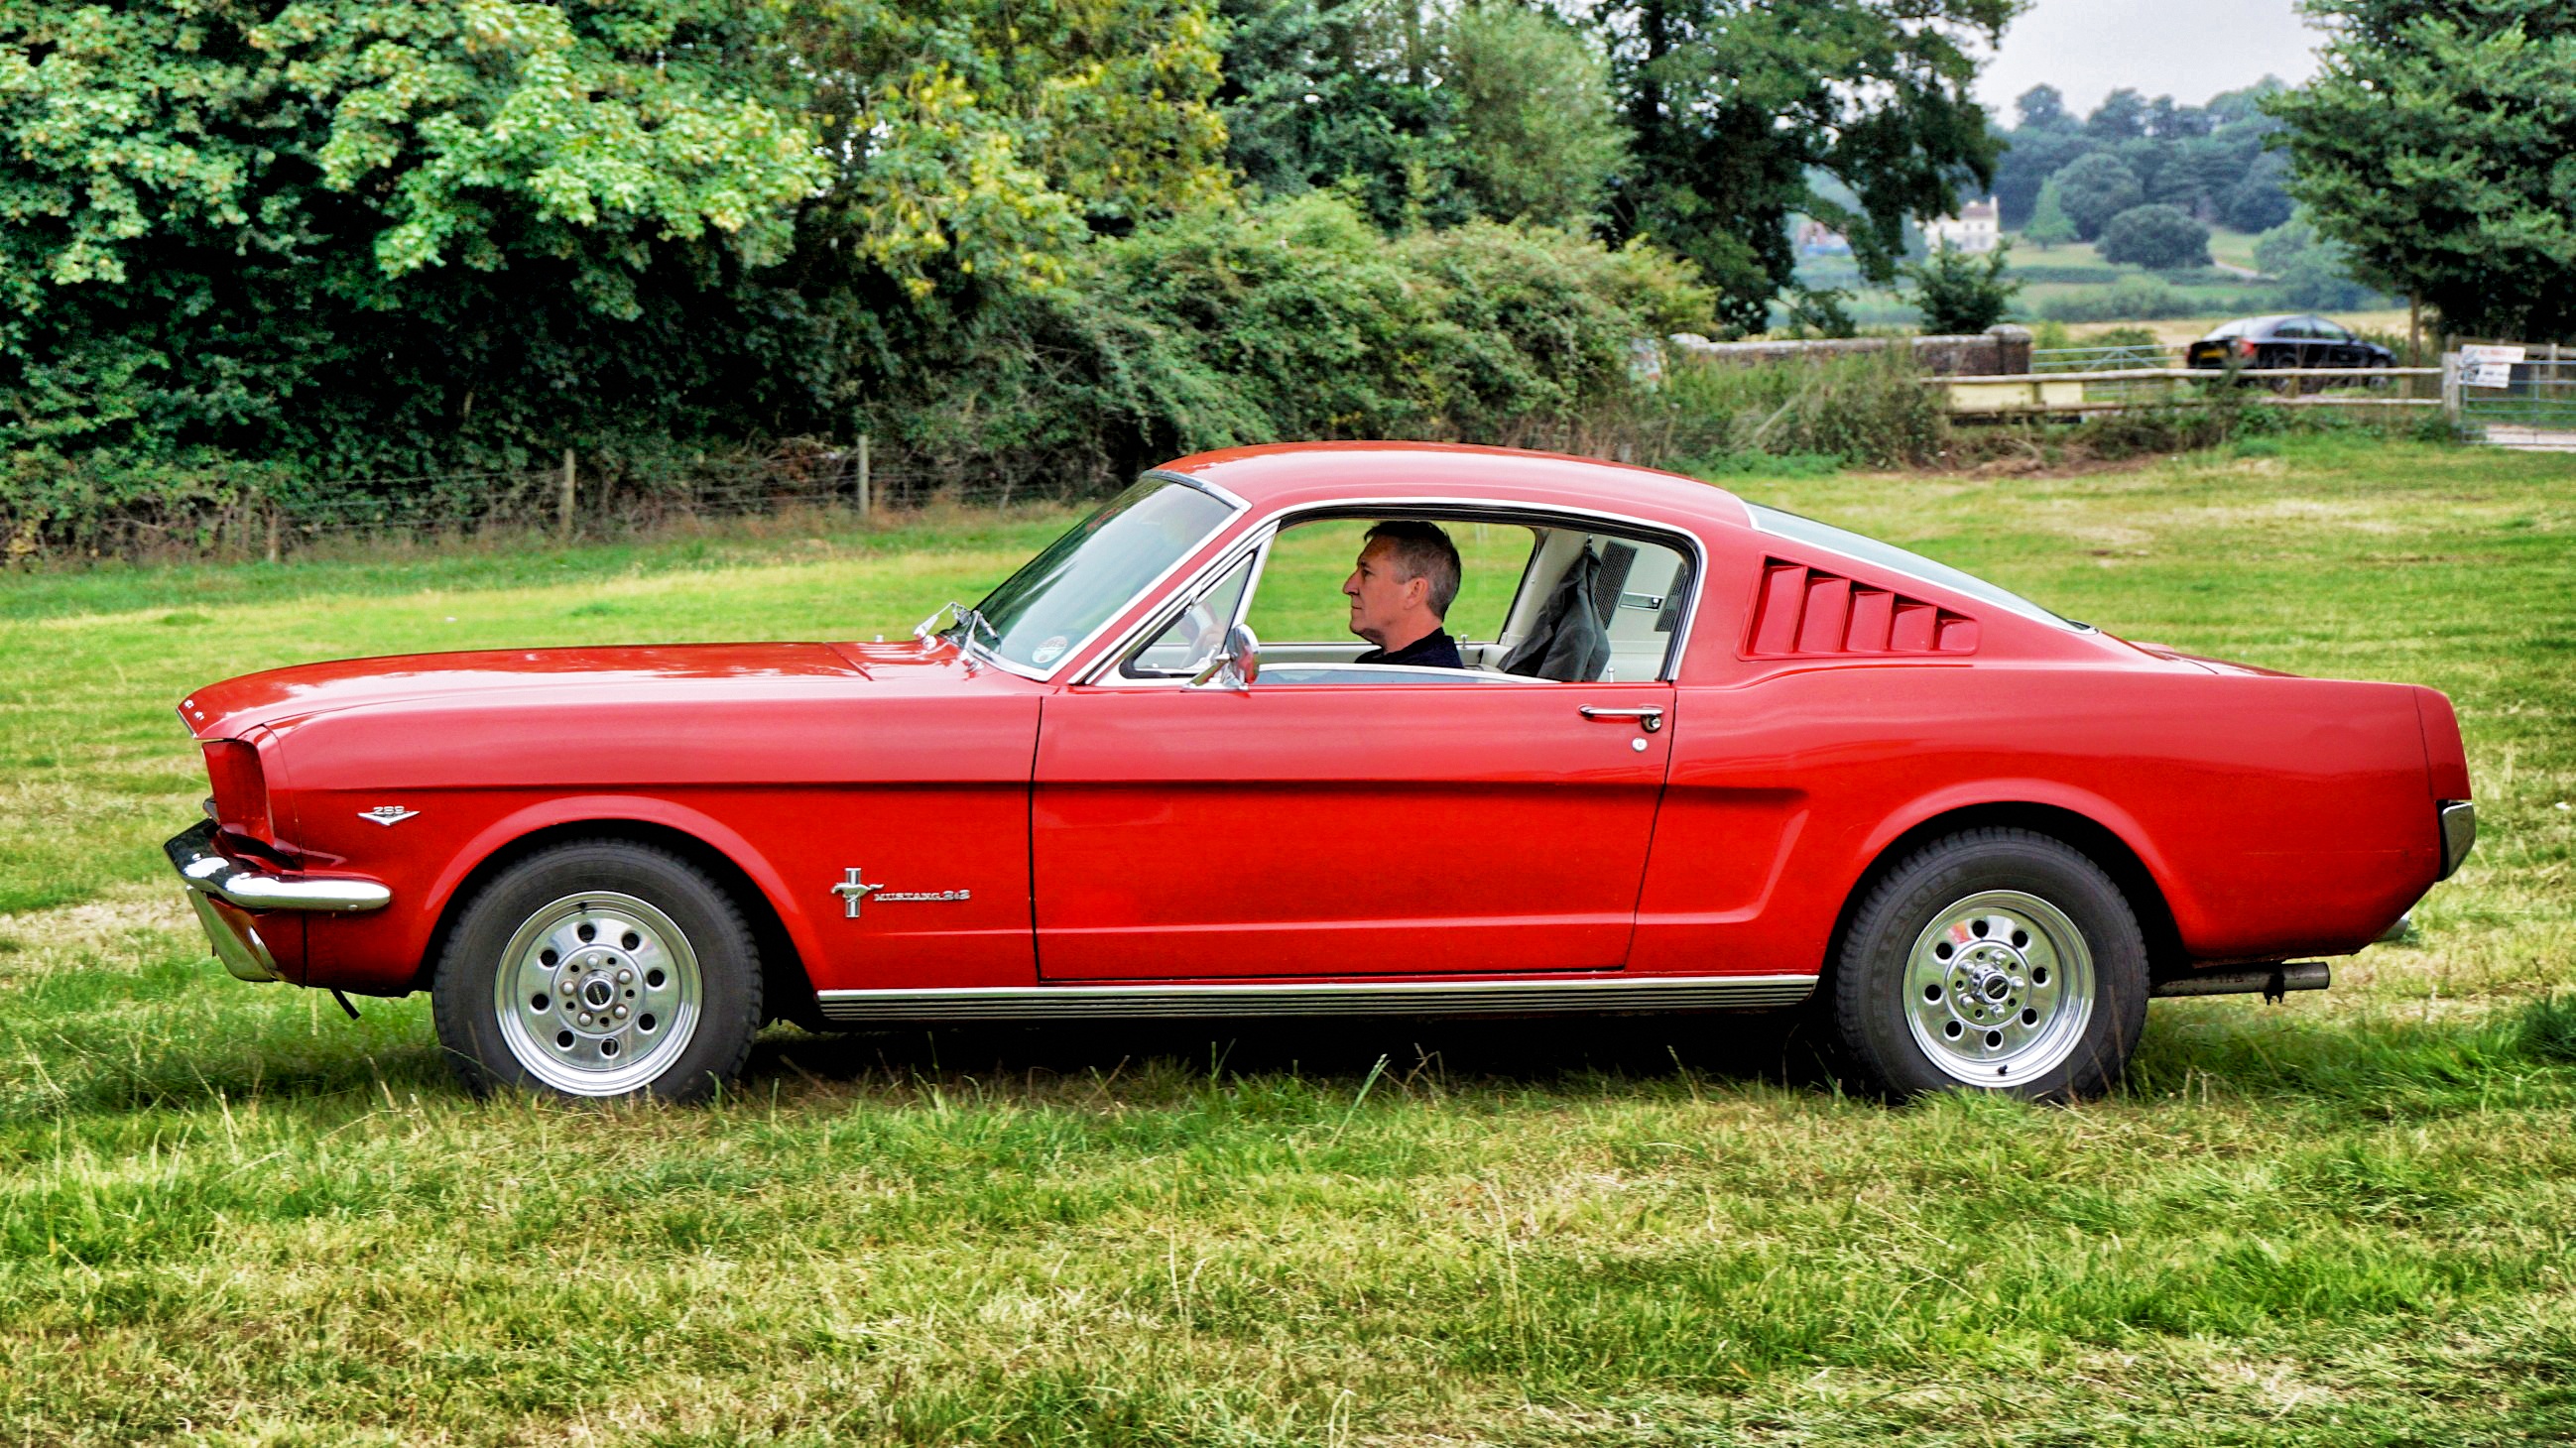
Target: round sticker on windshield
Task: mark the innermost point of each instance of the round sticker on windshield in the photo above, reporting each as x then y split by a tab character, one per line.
1048	652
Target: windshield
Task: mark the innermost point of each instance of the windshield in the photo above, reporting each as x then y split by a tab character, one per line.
1889	556
1058	599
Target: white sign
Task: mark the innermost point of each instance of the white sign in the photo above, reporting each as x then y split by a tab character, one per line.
2488	366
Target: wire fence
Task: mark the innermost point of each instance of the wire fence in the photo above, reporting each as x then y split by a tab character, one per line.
272	516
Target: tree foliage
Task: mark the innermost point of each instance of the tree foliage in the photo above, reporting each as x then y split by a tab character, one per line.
371	237
2160	238
1298	318
2209	160
1338	94
2096	188
2315	273
1732	104
2049	224
2436	145
1962	292
1537	138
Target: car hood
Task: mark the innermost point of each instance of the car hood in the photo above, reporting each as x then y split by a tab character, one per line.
225	710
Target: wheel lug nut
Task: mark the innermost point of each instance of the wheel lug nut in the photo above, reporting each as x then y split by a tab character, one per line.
621	1013
625	977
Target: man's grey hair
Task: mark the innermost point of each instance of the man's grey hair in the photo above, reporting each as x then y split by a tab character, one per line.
1420	550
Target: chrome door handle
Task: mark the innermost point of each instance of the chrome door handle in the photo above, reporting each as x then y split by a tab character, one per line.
1649	719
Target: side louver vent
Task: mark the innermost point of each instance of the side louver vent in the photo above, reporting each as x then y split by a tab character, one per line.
1805	611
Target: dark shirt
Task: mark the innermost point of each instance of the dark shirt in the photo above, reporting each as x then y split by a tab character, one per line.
1434	650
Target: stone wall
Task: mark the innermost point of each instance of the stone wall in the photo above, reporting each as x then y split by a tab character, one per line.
1996	352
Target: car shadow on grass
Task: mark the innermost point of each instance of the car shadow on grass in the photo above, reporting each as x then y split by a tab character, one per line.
1772	1047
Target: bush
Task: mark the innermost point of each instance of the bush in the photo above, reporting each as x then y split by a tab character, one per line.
1296	320
2143	299
1958	292
2160	238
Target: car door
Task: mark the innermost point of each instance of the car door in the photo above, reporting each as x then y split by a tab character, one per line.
1423	822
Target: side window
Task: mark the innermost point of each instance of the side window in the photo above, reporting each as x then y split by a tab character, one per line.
1598	608
1300	600
1184	646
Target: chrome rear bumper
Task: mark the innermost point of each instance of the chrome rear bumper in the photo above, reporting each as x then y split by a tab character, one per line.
2459	833
221	889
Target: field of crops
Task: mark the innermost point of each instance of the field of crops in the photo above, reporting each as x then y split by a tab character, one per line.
229	1215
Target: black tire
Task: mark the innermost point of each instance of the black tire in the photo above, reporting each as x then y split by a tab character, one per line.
1963	967
647	938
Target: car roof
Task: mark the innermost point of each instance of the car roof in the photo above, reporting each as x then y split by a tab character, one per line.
1291	474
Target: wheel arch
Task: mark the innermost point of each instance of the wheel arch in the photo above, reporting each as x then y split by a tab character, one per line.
787	987
2098	842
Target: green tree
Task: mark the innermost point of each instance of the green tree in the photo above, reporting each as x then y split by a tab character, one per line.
2315	274
1732	104
2436	145
1537	137
2095	188
2049	223
2030	158
370	236
2122	116
1959	292
2042	108
1339	94
2159	238
2260	199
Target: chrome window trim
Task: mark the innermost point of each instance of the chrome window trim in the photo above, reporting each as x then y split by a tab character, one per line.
1111	673
1236	508
1274	997
1104	670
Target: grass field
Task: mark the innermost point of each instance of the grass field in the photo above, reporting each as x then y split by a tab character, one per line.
229	1215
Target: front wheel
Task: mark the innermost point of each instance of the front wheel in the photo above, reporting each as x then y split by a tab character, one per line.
1996	960
600	968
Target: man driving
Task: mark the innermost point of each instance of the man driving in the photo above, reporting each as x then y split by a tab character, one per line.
1400	595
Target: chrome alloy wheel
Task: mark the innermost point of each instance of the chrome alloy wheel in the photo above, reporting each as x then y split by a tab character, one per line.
597	994
1999	988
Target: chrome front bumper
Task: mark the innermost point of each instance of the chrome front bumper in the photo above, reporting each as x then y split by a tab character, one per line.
215	881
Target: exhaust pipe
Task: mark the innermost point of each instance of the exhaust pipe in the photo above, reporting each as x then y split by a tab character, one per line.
2269	981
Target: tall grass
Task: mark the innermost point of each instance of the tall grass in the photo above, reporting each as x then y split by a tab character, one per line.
228	1215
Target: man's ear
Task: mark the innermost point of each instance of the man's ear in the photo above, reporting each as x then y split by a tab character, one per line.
1417	592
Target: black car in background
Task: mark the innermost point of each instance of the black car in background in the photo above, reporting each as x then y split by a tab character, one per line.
2285	341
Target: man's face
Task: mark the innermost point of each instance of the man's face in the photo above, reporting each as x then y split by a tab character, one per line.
1379	599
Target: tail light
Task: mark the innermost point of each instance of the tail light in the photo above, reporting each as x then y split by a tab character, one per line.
241	790
2244	346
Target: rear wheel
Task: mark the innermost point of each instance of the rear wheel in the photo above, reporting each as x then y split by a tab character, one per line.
1994	960
599	969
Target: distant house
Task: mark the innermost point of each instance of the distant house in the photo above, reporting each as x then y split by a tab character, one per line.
1977	228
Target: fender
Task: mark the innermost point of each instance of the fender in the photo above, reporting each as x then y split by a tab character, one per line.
605	809
1988	793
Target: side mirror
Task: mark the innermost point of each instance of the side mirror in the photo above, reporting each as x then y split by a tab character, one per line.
1234	666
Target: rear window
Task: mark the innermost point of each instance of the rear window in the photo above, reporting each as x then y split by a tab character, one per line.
1865	549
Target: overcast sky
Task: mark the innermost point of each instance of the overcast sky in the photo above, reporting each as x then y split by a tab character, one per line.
2188	49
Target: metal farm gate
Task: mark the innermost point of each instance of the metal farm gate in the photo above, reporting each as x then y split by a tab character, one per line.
2513	394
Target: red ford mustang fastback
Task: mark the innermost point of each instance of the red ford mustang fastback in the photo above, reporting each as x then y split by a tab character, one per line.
1696	754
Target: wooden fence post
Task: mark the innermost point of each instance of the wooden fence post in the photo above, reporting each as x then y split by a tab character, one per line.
271	510
563	503
865	502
